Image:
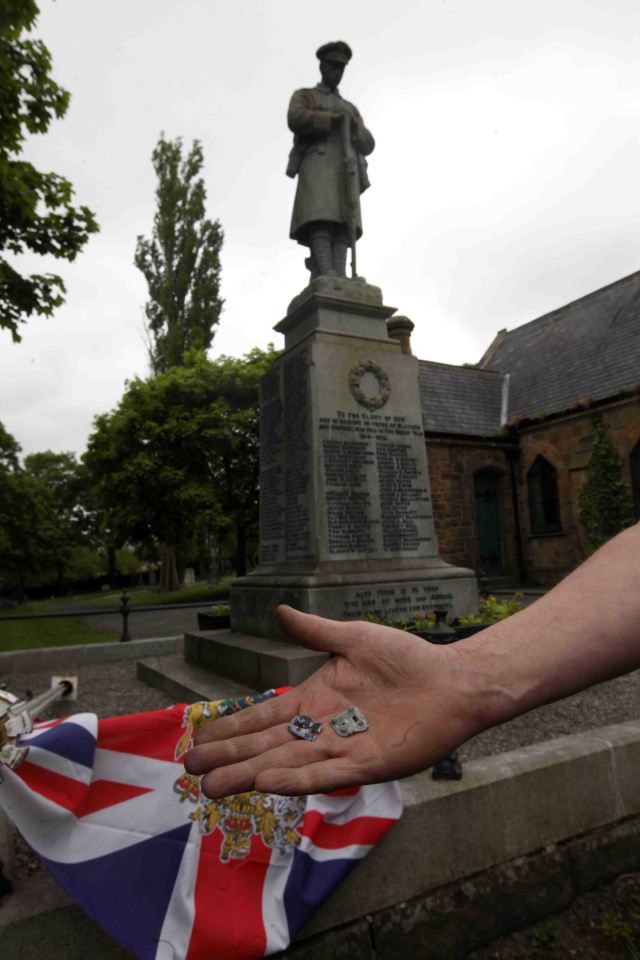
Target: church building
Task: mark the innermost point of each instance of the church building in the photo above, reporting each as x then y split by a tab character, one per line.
509	440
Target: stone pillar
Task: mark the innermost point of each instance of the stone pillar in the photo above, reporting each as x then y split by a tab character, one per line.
400	328
346	522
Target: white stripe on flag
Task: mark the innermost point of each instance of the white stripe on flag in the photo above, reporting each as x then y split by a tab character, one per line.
57	764
274	915
88	721
374	800
178	921
321	854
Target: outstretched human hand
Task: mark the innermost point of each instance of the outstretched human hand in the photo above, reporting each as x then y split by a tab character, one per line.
409	690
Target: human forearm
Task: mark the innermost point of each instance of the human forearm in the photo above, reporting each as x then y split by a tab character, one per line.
585	630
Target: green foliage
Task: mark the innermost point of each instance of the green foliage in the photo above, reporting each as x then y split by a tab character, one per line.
604	500
220	610
420	621
490	610
179	447
127	562
620	932
42	519
544	934
181	262
36	211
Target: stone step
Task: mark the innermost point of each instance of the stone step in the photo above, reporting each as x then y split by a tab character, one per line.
186	682
259	662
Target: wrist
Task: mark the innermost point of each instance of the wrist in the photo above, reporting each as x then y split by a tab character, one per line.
480	679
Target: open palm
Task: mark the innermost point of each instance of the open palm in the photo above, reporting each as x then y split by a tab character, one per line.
406	688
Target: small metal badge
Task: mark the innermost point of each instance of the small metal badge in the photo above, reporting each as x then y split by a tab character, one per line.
304	727
350	721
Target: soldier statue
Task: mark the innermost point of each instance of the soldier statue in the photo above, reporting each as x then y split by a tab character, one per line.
328	157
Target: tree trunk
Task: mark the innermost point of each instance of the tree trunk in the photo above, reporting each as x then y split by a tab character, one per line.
111	566
168	570
241	549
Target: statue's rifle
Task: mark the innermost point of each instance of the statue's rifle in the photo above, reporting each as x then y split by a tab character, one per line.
16	717
352	189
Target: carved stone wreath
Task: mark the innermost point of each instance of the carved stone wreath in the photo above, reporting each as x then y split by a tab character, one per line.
384	387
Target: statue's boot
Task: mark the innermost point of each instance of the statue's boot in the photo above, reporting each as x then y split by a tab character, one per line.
340	257
321	250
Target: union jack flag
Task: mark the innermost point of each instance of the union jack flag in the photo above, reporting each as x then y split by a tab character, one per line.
166	872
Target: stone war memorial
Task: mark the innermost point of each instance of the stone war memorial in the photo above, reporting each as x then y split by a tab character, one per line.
346	521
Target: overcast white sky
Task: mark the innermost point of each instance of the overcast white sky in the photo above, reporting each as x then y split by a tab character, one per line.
504	180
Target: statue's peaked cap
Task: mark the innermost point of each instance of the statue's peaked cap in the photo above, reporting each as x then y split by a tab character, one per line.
338	50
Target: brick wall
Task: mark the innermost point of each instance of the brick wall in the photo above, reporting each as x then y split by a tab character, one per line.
566	443
452	465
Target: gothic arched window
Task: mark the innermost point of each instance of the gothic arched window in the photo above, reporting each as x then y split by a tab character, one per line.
544	508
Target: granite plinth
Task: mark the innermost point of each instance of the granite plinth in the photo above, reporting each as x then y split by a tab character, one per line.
394	595
346	519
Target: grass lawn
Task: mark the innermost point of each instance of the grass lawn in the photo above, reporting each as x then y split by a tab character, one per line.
145	596
51	633
138	596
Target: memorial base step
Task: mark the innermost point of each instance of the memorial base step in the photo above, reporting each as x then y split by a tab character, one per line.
186	682
259	662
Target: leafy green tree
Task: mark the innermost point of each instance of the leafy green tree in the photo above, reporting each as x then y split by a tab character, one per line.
36	211
180	448
181	261
604	501
43	523
59	479
24	521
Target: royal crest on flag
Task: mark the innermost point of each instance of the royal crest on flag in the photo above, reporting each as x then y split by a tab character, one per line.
164	870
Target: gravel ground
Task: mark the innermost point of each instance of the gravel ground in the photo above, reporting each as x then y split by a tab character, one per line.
612	702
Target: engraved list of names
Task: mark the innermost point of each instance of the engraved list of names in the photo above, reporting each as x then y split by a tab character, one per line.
376	486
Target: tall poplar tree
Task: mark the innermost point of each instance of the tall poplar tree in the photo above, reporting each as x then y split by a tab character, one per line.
181	261
36	210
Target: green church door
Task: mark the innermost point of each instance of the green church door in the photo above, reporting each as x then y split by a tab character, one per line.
487	497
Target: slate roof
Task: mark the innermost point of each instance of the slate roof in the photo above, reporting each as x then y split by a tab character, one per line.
462	400
588	348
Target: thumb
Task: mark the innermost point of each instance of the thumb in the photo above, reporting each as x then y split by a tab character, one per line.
314	632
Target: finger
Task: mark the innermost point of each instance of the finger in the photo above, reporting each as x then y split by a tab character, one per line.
221	753
321	777
239	777
317	633
258	717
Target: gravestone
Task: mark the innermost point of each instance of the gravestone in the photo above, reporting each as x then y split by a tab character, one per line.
346	520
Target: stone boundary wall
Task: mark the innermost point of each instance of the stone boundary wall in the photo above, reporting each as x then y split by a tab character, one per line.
511	843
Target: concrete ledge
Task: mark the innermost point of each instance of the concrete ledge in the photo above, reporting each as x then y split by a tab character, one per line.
258	662
505	806
44	658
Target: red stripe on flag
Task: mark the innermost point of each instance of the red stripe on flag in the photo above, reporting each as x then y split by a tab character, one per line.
106	793
46	724
64	791
333	836
347	792
152	734
228	903
80	798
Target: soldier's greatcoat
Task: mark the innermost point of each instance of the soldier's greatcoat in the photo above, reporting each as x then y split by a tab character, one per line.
318	159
